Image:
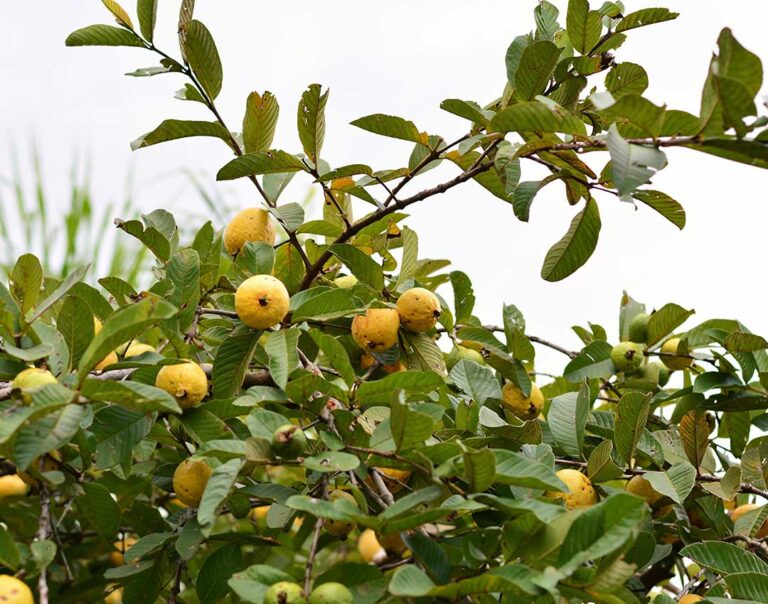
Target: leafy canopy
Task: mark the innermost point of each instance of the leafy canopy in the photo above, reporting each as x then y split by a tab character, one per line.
448	451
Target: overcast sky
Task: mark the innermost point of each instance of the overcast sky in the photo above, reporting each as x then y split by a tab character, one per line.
404	57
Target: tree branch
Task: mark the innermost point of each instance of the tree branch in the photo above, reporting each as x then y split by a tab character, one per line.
373	217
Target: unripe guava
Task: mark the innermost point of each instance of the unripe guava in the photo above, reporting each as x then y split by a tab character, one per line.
627	356
340	528
289	441
638	328
285	592
331	593
459	353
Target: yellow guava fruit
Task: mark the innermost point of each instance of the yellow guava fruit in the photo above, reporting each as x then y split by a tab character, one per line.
12	485
189	481
639	486
369	548
117	556
519	405
186	382
581	492
34	377
137	348
419	309
252	224
670	357
15	591
261	301
376	330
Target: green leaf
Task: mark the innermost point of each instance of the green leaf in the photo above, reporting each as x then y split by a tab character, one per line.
545	15
147	11
409	428
663	204
576	246
592	362
29	355
153	239
9	553
26	281
217	490
567	419
391	126
467	109
232	360
282	348
463	296
121	326
724	558
676	483
632	165
479	469
103	35
311	120
749	586
520	471
534	116
636	116
62	290
737	63
740	341
252	583
289	267
409	263
413	382
360	264
267	162
203	426
694	434
328	305
211	583
260	121
423	352
256	258
117	432
583	26
183	272
119	13
631	418
203	57
170	130
601	530
129	394
626	78
332	461
743	151
476	381
147	545
643	17
100	509
336	353
600	465
47	434
410	581
537	63
525	193
665	320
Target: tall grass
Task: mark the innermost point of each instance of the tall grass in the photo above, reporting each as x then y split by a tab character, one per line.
65	228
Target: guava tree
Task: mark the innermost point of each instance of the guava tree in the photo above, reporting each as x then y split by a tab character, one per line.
292	411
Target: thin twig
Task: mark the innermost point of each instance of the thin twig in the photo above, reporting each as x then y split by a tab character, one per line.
43	531
315	540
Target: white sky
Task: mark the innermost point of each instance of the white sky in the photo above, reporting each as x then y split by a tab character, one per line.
404	57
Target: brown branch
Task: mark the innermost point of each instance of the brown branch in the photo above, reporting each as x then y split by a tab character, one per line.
44	527
315	540
373	217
